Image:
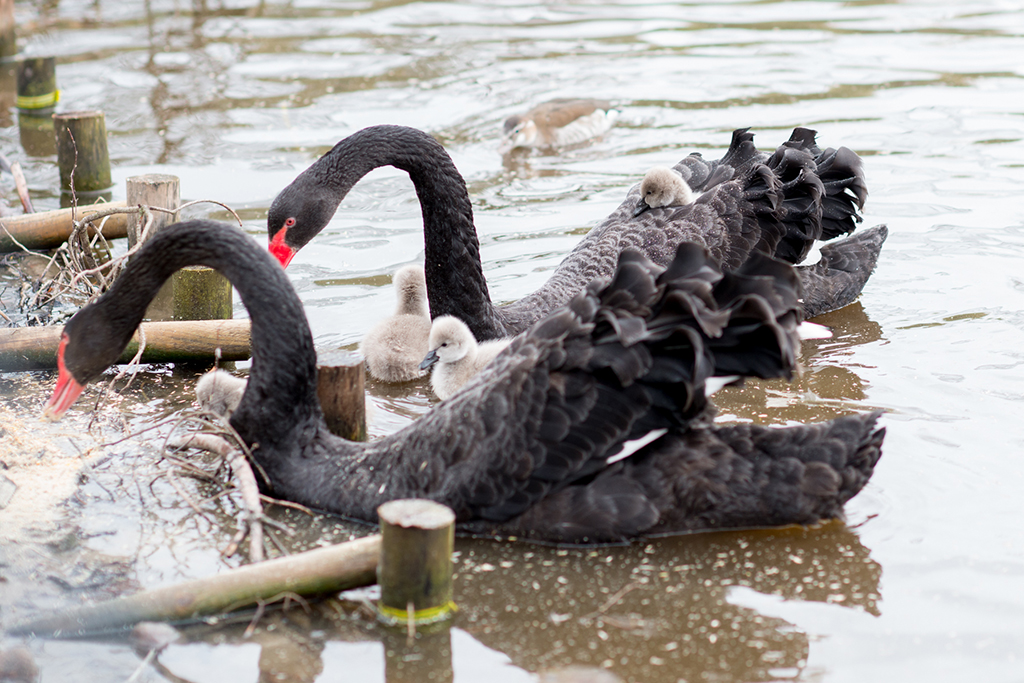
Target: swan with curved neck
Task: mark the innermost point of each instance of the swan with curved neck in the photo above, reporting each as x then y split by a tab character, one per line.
748	202
590	427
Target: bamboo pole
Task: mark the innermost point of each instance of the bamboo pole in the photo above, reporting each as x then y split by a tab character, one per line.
82	151
315	572
415	571
37	86
50	229
341	380
35	348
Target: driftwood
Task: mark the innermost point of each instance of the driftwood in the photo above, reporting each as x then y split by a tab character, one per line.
34	348
50	229
315	572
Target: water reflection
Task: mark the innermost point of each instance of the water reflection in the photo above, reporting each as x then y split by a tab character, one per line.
657	611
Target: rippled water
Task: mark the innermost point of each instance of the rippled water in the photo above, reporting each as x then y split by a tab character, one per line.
925	581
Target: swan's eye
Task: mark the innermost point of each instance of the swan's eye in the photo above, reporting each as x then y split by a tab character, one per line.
289	222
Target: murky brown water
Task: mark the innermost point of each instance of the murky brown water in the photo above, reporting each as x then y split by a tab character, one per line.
926	579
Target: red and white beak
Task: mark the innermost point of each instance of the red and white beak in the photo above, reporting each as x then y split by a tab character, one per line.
67	390
281	251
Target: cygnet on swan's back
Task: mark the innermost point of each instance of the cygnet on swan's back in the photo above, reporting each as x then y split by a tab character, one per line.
394	347
455	355
663	186
558	123
219	392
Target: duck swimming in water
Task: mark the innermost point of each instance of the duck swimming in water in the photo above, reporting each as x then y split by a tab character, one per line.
592	426
558	123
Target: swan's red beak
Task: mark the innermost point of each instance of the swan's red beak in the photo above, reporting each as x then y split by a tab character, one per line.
281	251
67	389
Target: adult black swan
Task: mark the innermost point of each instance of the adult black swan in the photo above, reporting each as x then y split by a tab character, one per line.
591	426
748	201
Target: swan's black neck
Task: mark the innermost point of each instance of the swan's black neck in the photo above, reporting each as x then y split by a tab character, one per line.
281	394
454	273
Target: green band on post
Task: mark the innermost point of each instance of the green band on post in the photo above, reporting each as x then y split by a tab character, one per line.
38	101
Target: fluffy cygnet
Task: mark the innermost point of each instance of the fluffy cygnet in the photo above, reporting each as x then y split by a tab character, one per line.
558	123
394	347
219	392
456	355
662	186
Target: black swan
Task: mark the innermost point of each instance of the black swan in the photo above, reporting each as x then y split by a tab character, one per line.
455	355
662	186
558	123
802	194
590	427
395	346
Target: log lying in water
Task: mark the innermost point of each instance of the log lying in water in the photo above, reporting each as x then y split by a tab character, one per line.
35	348
316	572
50	229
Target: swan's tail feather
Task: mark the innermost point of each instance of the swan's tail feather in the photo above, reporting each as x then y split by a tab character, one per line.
750	475
802	195
837	279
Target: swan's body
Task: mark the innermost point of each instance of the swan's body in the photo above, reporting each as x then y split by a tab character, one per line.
748	202
592	426
662	187
558	123
394	347
455	356
220	392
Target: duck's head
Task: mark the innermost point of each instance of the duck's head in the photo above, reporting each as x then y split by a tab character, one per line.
520	131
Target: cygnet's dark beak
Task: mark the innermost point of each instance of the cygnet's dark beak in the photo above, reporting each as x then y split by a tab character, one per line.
429	360
641	206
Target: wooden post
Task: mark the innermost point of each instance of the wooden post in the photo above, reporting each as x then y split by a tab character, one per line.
82	151
193	293
8	35
341	380
415	570
152	189
37	86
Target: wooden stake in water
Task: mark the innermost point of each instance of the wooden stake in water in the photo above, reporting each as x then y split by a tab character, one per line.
341	382
415	570
82	151
194	292
37	86
8	35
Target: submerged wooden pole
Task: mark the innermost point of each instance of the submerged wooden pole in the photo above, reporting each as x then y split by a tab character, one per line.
82	151
315	572
35	348
50	229
37	86
415	571
341	381
8	34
